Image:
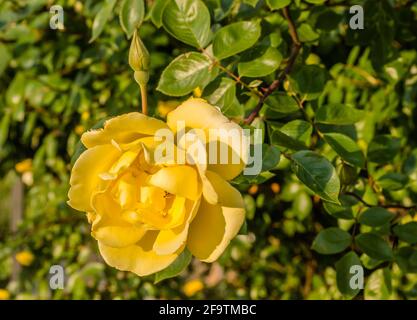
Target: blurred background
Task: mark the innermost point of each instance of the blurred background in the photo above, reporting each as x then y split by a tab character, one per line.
54	85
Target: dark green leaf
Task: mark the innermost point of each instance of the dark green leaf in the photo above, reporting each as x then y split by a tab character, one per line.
392	181
338	114
317	173
331	241
407	232
383	149
375	217
374	246
344	274
346	148
309	81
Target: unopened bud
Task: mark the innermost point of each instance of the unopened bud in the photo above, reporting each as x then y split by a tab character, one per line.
139	58
141	77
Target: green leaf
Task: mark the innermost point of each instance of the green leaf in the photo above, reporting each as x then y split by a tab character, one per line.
331	241
406	258
221	92
270	157
174	268
407	232
338	114
344	275
346	148
343	210
101	19
374	246
392	181
282	103
309	81
383	149
235	38
375	217
378	286
157	10
306	33
317	173
259	62
188	21
5	57
277	4
281	139
187	72
131	15
294	135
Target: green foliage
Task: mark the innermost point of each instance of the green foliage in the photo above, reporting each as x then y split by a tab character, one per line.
338	185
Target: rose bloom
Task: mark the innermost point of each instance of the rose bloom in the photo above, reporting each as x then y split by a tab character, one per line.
144	212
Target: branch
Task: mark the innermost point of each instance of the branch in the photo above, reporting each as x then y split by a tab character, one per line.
295	49
387	206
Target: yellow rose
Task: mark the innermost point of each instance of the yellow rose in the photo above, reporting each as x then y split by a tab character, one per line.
144	210
192	287
25	258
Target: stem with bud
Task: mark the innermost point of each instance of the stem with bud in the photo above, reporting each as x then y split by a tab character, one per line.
139	60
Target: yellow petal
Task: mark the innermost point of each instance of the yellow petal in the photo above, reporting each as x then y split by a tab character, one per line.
85	174
108	226
227	196
168	241
136	259
215	225
225	136
123	129
178	180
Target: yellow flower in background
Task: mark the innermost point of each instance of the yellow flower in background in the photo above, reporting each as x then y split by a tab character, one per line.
145	210
79	130
4	294
192	287
24	166
165	107
25	258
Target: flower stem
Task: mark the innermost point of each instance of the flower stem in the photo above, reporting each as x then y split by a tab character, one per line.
144	98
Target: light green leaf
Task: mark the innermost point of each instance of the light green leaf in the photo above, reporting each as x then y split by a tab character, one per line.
174	268
392	181
277	4
374	246
331	241
184	74
259	62
378	286
375	217
344	275
221	92
338	114
346	148
317	173
188	21
157	10
306	33
101	19
235	38
342	211
131	15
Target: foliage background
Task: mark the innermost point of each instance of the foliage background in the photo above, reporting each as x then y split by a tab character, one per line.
55	84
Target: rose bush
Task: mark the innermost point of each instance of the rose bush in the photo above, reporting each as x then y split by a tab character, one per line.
143	211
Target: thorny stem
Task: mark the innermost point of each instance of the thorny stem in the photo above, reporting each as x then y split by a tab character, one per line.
295	50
